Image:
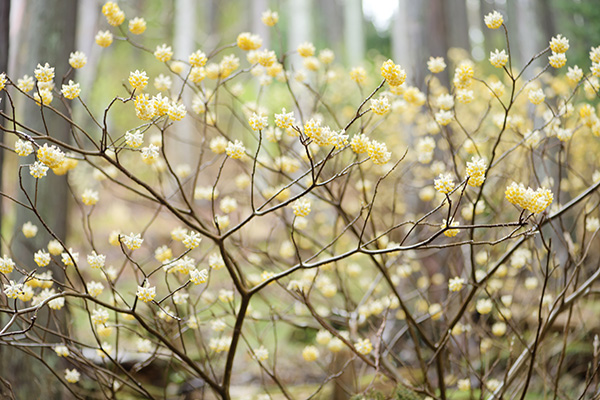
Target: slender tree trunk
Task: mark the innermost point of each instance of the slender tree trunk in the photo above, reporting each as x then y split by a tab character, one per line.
354	32
5	386
50	38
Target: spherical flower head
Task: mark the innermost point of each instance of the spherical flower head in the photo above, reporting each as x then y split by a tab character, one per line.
96	261
235	150
133	241
257	122
146	293
498	58
284	120
113	13
215	261
138	80
3	81
338	139
444	117
25	84
270	18
150	154
392	73
464	96
592	224
134	139
29	230
229	64
484	306
455	284
476	171
218	145
137	25
557	60
574	74
450	232
163	53
378	152
100	316
380	106
51	156
559	44
436	65
6	264
464	71
197	59
176	112
360	143
310	353
444	183
90	197
95	288
12	290
72	375
493	20
41	258
44	97
198	277
306	49
71	91
301	207
364	346
23	148
104	38
266	57
228	205
247	41
45	73
358	75
77	60
192	240
326	56
536	96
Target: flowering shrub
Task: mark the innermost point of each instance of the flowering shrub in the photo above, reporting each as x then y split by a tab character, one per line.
431	239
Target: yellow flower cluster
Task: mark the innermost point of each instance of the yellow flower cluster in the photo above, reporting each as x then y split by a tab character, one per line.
146	293
498	58
247	41
450	232
444	183
493	20
138	80
163	53
197	59
533	201
380	106
137	26
77	60
392	73
378	152
113	13
235	150
270	18
476	171
71	91
104	38
301	207
51	156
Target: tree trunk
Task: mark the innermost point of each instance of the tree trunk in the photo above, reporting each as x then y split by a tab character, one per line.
354	32
50	38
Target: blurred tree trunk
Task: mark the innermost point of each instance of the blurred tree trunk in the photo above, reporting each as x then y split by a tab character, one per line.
354	32
51	38
300	27
4	34
257	27
185	33
529	37
406	25
331	23
457	24
5	389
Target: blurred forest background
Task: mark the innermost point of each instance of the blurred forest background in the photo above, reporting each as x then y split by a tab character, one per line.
408	31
